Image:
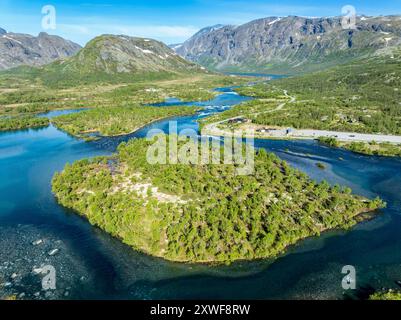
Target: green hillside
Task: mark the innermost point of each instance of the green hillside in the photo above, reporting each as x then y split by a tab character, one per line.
110	58
363	96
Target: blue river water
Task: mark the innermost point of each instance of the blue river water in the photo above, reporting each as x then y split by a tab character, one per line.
92	265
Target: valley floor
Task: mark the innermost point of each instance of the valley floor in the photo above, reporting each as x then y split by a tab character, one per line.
115	109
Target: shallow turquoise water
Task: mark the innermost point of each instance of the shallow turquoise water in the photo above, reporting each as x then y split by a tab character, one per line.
312	269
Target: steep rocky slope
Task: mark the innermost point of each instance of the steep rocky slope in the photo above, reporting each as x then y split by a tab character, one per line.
22	49
290	44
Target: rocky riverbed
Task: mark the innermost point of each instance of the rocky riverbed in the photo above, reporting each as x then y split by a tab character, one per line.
24	252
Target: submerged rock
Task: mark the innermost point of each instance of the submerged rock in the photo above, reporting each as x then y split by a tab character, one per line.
53	252
37	242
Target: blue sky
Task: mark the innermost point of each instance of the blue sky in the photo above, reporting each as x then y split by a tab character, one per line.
168	21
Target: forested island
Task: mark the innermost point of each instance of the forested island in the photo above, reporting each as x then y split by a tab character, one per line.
114	121
183	212
22	122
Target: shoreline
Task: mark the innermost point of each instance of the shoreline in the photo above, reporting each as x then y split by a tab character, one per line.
304	134
345	143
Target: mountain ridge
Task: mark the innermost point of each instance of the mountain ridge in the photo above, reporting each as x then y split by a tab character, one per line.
111	59
18	49
280	44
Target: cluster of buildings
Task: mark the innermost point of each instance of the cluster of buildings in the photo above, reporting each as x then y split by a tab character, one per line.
275	131
265	130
